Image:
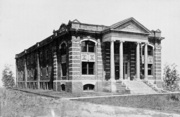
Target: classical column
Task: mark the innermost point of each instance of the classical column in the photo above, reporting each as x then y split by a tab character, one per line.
137	62
38	72
113	87
112	60
121	60
145	62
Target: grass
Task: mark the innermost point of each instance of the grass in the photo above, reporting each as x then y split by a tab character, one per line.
63	94
161	102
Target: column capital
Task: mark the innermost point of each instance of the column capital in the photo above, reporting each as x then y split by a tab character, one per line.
121	41
146	43
112	40
138	42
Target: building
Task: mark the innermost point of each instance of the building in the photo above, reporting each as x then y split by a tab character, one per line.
79	57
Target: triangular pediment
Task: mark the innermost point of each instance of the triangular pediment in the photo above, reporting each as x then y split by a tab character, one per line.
130	25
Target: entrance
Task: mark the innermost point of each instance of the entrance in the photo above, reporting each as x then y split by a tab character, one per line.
126	70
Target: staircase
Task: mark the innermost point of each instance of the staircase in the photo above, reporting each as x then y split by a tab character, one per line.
121	88
138	87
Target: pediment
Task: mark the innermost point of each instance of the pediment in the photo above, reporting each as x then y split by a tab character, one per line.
130	25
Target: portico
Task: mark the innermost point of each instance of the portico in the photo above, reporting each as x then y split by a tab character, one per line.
126	42
124	64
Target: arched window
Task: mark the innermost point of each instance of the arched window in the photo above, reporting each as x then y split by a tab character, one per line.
63	48
87	46
63	52
88	87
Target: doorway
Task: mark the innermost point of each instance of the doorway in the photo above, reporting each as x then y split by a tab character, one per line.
126	70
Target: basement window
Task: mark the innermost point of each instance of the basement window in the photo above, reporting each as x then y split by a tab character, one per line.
88	87
63	87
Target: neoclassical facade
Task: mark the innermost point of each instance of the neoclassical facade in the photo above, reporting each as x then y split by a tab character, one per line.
86	57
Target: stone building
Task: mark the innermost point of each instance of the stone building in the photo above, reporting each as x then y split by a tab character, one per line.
86	57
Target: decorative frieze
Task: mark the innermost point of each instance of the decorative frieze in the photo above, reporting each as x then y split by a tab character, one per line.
88	57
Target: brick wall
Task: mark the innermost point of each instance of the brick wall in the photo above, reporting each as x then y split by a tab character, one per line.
157	62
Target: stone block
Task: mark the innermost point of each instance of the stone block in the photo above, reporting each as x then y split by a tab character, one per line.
74	65
74	73
76	57
71	69
99	87
74	61
77	87
58	86
68	86
77	49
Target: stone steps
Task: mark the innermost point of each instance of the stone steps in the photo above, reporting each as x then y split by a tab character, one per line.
139	87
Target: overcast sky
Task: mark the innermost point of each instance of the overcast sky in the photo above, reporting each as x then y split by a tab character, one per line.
25	22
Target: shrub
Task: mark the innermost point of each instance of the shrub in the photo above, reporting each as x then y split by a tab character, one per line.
171	78
7	77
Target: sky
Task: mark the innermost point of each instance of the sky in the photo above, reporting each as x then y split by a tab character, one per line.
25	22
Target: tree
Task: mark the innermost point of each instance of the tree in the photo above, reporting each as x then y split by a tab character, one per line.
171	77
7	77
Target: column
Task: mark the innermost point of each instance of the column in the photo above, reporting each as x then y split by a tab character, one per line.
113	87
112	60
145	62
121	60
25	71
17	74
137	62
38	72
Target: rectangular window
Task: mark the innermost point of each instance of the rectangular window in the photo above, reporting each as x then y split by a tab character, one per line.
88	68
150	69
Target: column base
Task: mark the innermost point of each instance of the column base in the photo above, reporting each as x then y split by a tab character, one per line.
113	85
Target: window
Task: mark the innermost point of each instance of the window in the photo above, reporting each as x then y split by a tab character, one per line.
88	87
87	46
63	87
47	54
32	58
116	48
150	69
41	71
88	68
63	69
150	50
63	49
47	71
41	56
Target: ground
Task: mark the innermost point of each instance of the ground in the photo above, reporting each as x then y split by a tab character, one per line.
27	101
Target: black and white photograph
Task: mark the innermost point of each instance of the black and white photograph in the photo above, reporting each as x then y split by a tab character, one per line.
89	58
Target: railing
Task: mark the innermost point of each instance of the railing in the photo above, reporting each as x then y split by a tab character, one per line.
21	84
45	85
32	85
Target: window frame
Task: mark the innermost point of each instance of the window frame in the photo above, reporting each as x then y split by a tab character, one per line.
87	67
87	44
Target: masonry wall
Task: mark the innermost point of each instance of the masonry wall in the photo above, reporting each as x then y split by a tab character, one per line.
157	63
